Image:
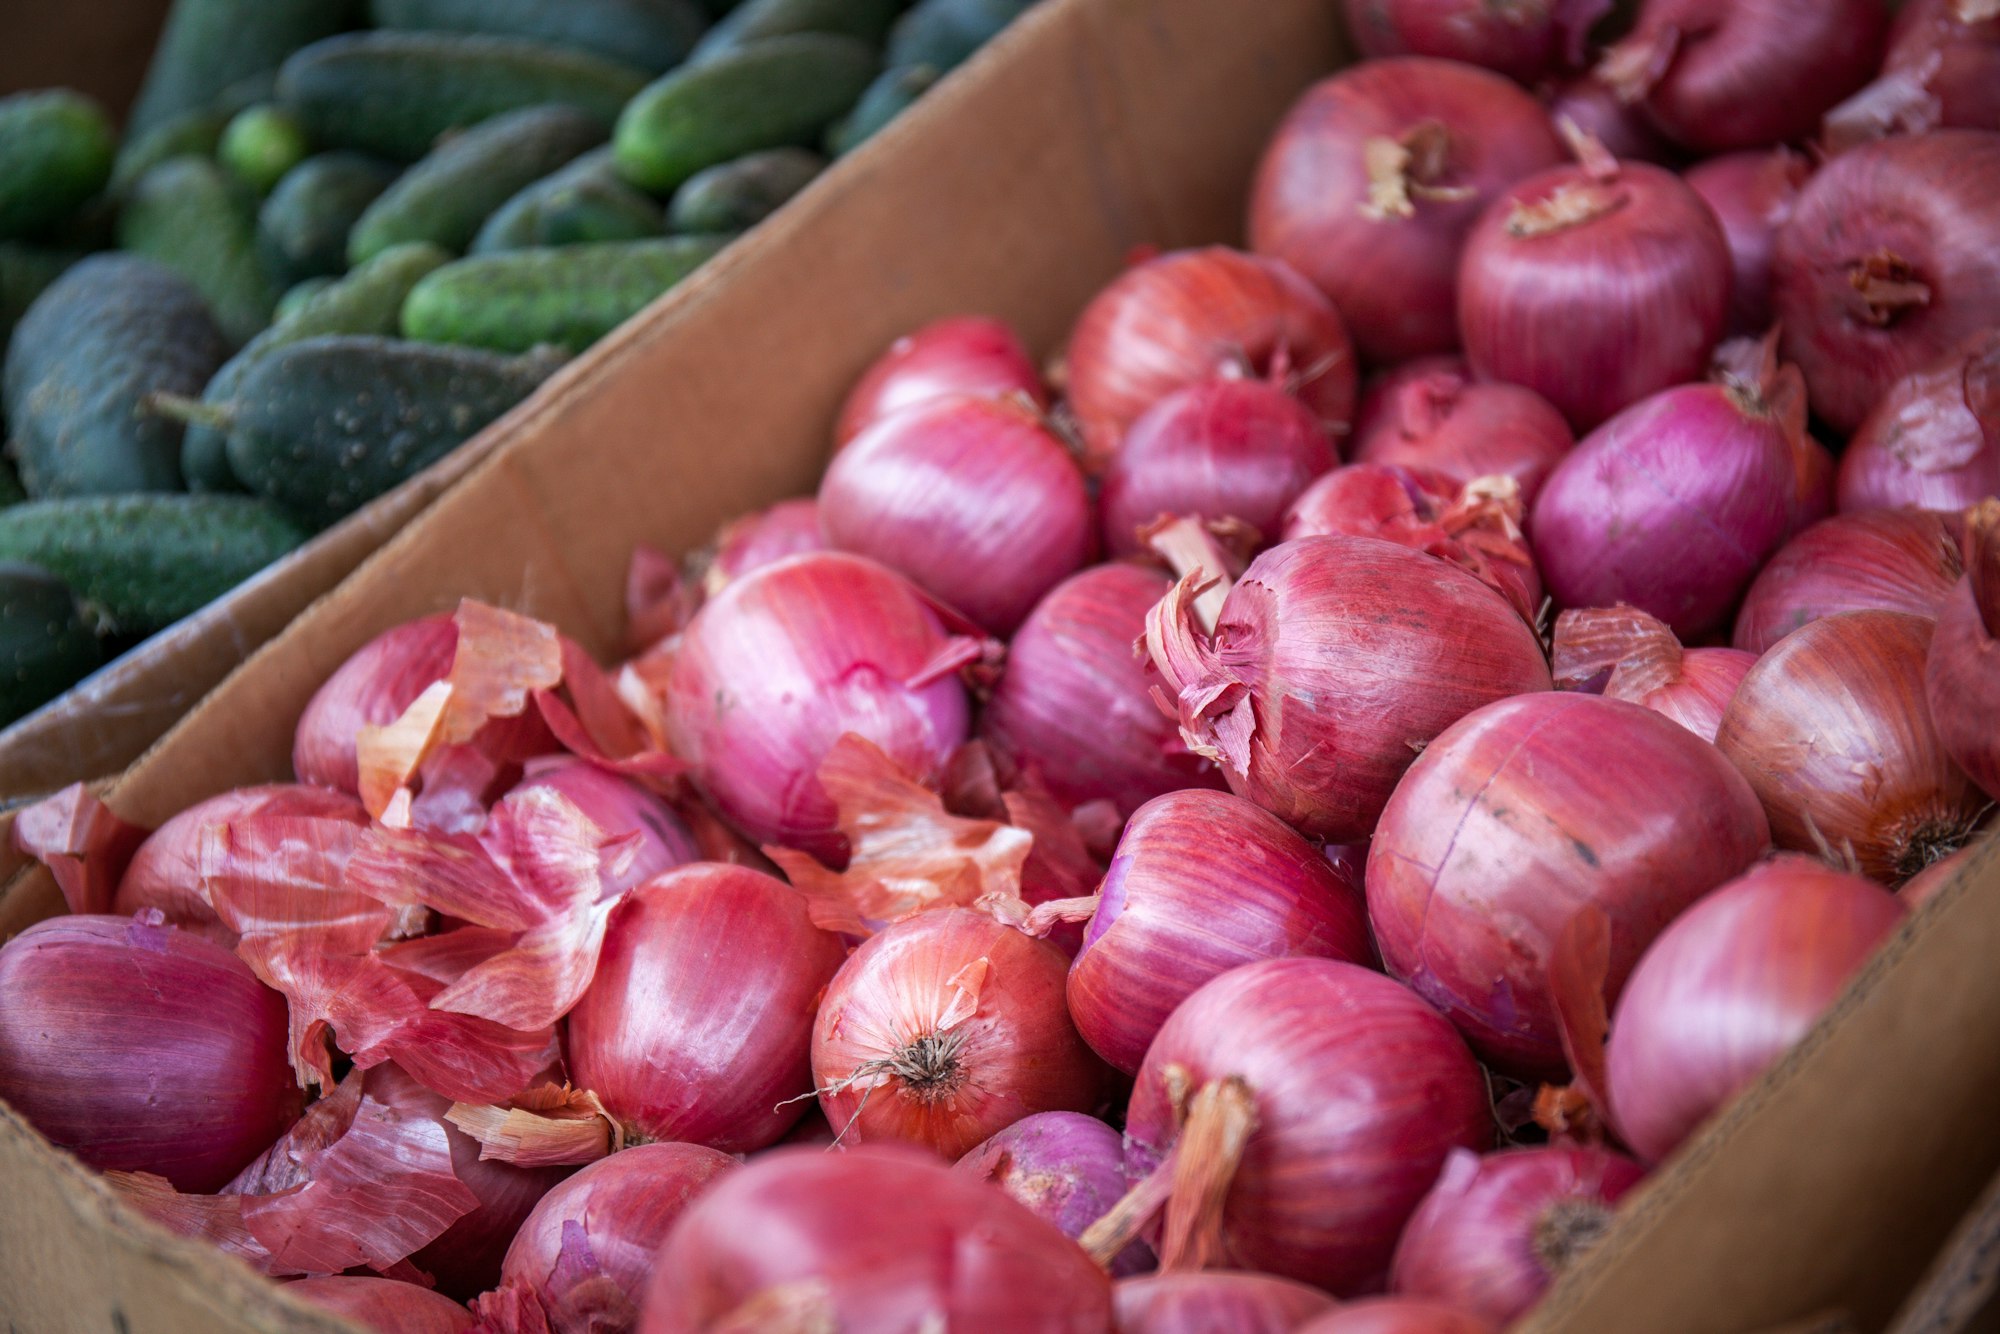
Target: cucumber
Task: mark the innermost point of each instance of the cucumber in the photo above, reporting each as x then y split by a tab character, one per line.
187	214
767	95
140	563
761	20
302	227
445	197
653	35
190	134
297	297
586	201
110	331
260	144
56	149
741	194
209	45
25	273
45	648
394	93
569	297
943	34
887	98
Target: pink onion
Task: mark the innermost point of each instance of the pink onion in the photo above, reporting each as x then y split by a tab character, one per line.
1729	987
1962	677
1933	440
765	537
1067	1167
1942	70
1752	194
1522	39
1444	422
384	1305
1878	560
1398	1315
961	354
1214	1300
617	806
1622	653
1370	185
1626	132
1632	814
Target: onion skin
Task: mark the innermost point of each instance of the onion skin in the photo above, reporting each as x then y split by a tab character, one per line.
1832	730
1522	39
1648	666
1933	441
1202	882
1067	1167
699	1021
1398	1315
1497	1230
1752	195
140	1047
370	689
384	1305
1588	103
1877	560
1190	315
1914	220
1962	674
1730	987
883	1239
960	354
788	528
617	807
1941	72
1383	239
972	500
1241	1303
1633	814
1446	423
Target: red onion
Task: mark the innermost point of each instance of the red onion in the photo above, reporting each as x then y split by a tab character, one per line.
1878	560
1942	70
1632	814
1275	696
1638	660
1889	262
971	499
1522	39
1223	449
1075	705
1444	422
1377	408
1752	194
1214	1300
618	807
1724	74
945	1028
884	1239
1369	187
1594	285
1495	1231
1626	132
854	640
1729	987
1067	1167
141	1047
1202	882
1832	730
788	528
1933	440
1922	887
1398	1315
961	354
1190	315
384	1305
1962	677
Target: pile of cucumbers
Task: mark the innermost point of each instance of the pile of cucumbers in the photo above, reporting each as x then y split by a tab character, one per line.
338	237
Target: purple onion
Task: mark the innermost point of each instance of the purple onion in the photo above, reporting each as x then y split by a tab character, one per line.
1067	1168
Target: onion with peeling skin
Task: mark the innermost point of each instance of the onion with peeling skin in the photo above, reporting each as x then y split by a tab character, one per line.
617	807
960	354
1962	675
1443	421
384	1305
1637	658
1933	440
765	537
1214	1300
1878	560
1752	194
1067	1167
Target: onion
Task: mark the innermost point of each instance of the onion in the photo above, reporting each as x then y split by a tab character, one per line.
1646	665
1074	704
1224	449
783	663
1522	39
1495	1231
1752	195
1729	987
1594	285
1933	439
1962	677
1333	660
1878	560
883	1239
1891	260
1942	70
1832	730
1626	132
1215	1300
1398	1315
141	1047
384	1305
1724	74
1444	422
1922	887
1369	187
1202	882
1377	408
765	537
1816	502
961	354
1066	1167
945	1028
1190	315
617	807
1631	814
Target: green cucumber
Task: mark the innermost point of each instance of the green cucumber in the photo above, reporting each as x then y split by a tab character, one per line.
395	93
209	45
297	297
110	331
653	35
25	273
56	149
140	563
569	297
45	647
761	20
262	143
303	226
190	134
740	194
586	201
445	197
943	34
887	98
187	214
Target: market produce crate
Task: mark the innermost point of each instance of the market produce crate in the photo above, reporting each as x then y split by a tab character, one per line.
1093	127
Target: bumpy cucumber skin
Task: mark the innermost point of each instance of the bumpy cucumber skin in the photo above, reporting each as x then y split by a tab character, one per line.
584	202
887	98
760	20
25	273
260	144
303	226
45	648
771	94
112	330
653	35
740	194
141	562
56	150
325	425
209	45
445	197
187	214
394	93
943	34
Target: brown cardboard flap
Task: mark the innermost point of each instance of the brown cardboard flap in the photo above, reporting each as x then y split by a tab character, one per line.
1957	1292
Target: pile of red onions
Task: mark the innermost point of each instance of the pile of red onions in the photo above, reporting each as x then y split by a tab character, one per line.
1622	653
1933	440
1432	416
1962	674
963	354
1877	560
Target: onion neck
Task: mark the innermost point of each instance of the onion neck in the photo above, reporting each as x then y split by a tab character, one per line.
1566	1230
929	1068
1190	1183
1886	288
1927	838
1571	204
1404	170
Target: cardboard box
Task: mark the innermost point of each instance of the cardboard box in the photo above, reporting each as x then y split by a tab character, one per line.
1092	127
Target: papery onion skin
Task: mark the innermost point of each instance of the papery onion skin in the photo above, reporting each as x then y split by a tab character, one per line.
1067	1167
617	806
1398	1315
1522	39
1832	731
1648	666
842	632
141	1047
1360	1090
1633	814
1921	210
1962	674
960	354
1496	1230
882	1238
1730	987
1626	132
1877	560
1387	253
1202	882
1752	195
370	689
1933	440
1942	71
384	1305
698	1023
1447	423
1214	1300
788	528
